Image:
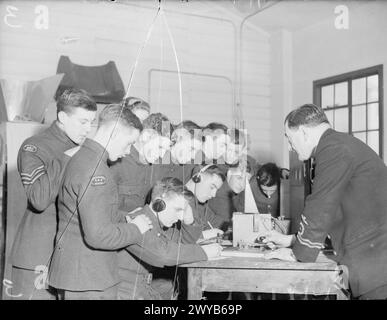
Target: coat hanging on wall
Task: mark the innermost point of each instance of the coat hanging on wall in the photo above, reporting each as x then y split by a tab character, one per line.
103	82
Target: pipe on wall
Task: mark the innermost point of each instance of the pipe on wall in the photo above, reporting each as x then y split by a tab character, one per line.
240	80
192	74
234	103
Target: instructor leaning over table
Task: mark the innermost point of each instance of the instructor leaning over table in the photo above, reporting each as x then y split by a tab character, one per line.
348	202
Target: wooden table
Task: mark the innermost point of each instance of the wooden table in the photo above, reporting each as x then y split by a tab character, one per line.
324	277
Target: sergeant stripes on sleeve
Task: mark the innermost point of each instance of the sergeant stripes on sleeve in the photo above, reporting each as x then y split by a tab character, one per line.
35	174
306	242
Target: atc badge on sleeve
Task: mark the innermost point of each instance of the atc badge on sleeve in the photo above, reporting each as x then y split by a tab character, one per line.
30	148
98	181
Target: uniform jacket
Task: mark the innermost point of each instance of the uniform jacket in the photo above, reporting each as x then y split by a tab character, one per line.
91	228
41	162
349	203
157	248
224	203
264	204
202	214
135	178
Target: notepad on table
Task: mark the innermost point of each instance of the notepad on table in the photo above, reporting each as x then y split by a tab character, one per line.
243	253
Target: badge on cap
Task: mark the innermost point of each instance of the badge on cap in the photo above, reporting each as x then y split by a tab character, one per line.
98	181
30	148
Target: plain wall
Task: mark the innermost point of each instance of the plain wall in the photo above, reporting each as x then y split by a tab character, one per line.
206	50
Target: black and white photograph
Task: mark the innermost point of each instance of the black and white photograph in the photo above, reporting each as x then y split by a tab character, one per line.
227	152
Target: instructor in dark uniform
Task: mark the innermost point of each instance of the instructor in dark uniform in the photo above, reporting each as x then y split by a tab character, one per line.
348	203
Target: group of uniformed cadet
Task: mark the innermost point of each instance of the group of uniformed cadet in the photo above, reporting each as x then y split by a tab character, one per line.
107	215
111	216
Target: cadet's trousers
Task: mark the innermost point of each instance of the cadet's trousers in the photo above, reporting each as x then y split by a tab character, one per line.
136	287
29	285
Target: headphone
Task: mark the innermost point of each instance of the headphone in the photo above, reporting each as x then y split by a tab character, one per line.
158	205
196	178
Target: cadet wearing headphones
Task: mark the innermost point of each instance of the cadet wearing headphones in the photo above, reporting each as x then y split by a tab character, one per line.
159	248
204	184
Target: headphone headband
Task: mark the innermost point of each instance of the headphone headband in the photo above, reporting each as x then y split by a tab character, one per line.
205	168
196	177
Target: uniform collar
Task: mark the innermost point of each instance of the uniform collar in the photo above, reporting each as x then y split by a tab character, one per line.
153	217
60	134
96	148
135	155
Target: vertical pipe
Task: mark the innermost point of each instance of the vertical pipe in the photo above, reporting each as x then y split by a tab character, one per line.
239	93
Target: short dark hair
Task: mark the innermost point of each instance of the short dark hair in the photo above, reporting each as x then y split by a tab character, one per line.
134	103
75	98
308	115
192	127
116	112
215	170
268	175
168	186
188	125
158	122
216	126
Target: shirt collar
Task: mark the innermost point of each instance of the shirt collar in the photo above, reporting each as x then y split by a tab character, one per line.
60	134
153	217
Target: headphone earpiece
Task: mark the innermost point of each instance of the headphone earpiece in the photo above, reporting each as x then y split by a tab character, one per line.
158	205
196	178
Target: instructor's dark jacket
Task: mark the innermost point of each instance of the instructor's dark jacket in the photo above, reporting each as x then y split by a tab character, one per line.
349	203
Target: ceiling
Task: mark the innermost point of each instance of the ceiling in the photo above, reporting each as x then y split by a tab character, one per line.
273	16
295	15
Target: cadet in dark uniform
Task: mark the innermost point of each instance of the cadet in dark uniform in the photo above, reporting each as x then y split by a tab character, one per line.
135	174
186	143
157	247
265	188
204	184
348	203
222	204
179	162
215	140
91	228
41	163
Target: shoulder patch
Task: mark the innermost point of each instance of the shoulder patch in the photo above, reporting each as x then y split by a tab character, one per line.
30	148
98	181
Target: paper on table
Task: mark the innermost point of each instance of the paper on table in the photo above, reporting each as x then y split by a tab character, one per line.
244	253
250	205
217	258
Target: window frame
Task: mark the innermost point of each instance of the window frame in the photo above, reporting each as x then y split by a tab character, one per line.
349	77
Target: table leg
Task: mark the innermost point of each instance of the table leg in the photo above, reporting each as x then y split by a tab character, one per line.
194	284
340	295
